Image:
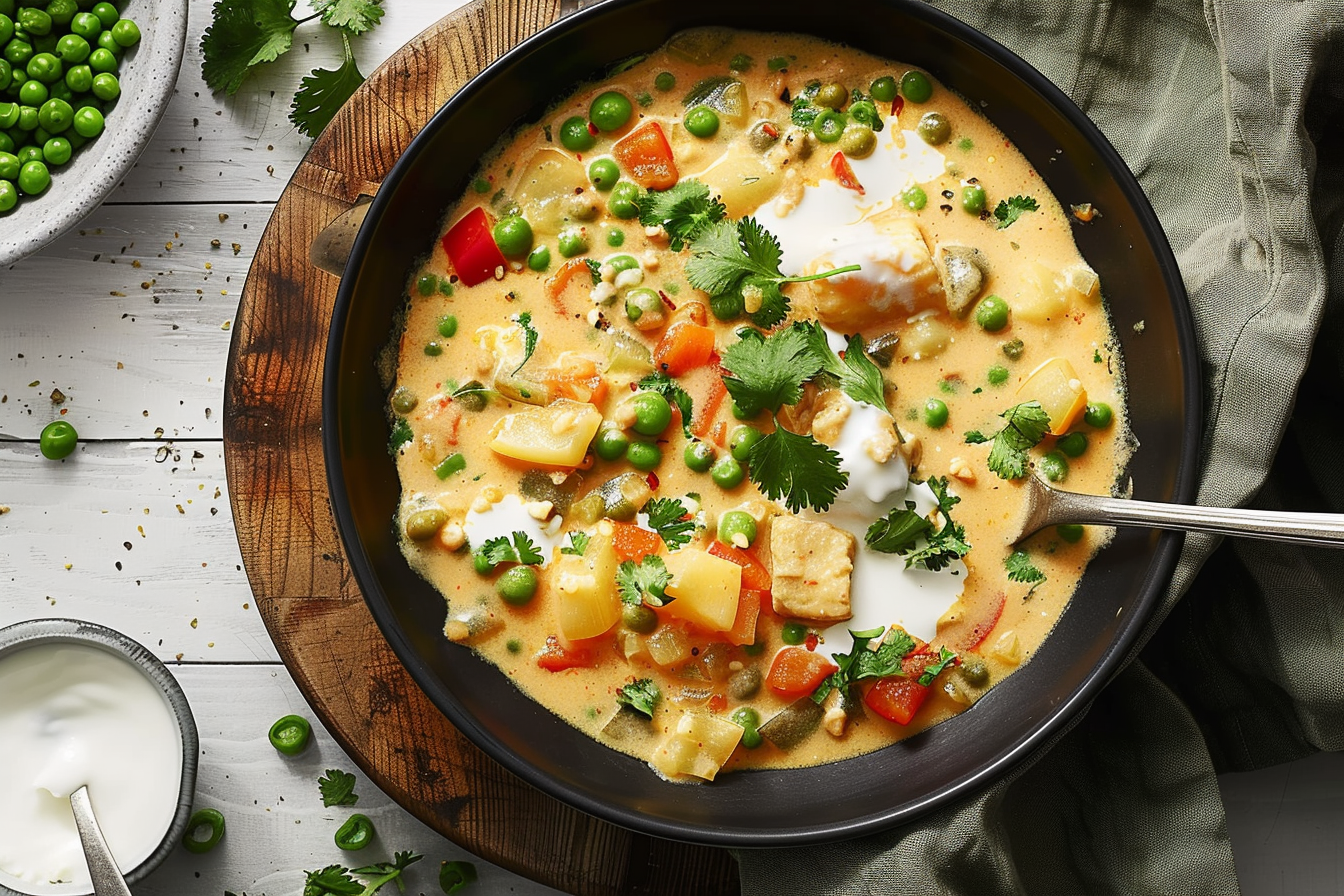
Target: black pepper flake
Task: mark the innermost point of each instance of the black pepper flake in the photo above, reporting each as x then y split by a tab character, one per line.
126	545
785	97
946	209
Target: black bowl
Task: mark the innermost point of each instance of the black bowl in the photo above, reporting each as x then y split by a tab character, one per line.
856	796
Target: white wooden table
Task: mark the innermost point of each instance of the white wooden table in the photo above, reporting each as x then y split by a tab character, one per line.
129	318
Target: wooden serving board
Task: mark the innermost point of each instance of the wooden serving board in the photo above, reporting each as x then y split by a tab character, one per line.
297	567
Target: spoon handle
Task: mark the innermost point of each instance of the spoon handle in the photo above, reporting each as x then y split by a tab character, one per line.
107	879
1324	529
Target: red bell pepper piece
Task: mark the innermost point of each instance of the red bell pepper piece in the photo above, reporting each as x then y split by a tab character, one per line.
754	575
896	699
748	610
630	542
845	174
646	156
471	248
796	671
554	657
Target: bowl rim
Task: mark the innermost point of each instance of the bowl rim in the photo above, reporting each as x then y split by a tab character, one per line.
1162	558
35	632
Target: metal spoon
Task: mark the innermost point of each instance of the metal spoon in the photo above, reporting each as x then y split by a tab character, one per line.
1048	506
107	879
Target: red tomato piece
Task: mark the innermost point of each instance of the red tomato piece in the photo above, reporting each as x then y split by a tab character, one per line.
685	346
754	575
797	671
845	174
471	248
554	657
646	156
896	699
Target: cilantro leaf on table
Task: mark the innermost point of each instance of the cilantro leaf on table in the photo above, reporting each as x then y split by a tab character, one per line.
323	92
934	669
768	372
667	387
685	211
1021	569
1009	210
668	517
521	550
1026	425
641	696
355	16
242	34
337	788
862	662
578	543
644	582
336	880
798	470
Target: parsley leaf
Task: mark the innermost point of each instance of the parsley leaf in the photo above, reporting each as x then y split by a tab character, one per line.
1009	210
1026	426
934	669
522	550
949	542
337	788
767	372
530	337
1021	569
244	33
667	387
355	16
644	582
578	543
898	531
861	662
322	93
641	696
684	211
796	469
668	517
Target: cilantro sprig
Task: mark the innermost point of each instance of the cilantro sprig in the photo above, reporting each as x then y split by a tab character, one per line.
641	696
337	880
742	259
684	211
500	550
1025	426
644	582
949	542
337	788
530	337
670	519
578	544
863	662
1021	569
1009	210
244	34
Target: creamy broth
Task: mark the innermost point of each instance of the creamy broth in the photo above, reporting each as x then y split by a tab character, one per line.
518	374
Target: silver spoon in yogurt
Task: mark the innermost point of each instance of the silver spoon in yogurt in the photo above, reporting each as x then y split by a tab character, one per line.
107	879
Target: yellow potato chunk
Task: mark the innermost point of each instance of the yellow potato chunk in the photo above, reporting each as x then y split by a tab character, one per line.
1048	294
545	181
699	747
586	604
743	183
1061	394
554	436
705	589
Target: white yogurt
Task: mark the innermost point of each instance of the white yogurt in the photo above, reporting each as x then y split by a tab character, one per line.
74	714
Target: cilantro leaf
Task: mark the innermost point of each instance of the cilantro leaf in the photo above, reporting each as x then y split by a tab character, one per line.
898	530
337	788
768	372
862	662
332	880
975	437
685	211
804	112
244	33
948	543
1009	210
355	16
335	880
934	669
641	696
401	434
859	377
578	543
1026	425
1021	569
322	93
667	387
594	269
668	517
717	264
522	550
530	337
644	582
796	469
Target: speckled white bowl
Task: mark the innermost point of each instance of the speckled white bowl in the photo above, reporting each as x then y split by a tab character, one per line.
148	74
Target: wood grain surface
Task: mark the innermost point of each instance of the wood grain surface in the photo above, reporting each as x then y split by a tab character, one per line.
298	571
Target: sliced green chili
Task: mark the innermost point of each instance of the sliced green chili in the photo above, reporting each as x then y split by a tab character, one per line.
290	734
203	820
356	833
453	876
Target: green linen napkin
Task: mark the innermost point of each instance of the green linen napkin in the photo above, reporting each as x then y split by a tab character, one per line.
1229	113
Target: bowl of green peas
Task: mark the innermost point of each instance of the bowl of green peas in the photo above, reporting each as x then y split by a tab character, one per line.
83	84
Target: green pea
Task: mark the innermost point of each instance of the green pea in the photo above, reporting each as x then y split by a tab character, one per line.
518	585
40	135
829	126
702	122
794	633
741	440
1073	445
746	717
728	306
107	14
727	472
740	63
86	25
448	326
644	308
1054	466
404	400
58	439
997	375
610	111
935	413
33	93
665	81
433	348
858	141
79	78
883	89
1098	415
30	153
45	67
572	242
1013	349
513	235
55	116
9	195
106	86
992	314
102	60
975	673
973	199
830	96
575	136
639	618
740	414
107	42
126	33
610	443
34	21
934	128
915	87
6	27
27	118
619	263
699	456
73	49
623	201
9	115
481	563
737	528
427	284
644	456
7	143
34	178
615	238
62	11
604	173
88	122
9	166
1070	532
539	259
6	74
914	198
57	151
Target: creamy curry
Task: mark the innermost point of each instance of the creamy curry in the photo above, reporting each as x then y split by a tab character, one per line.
715	397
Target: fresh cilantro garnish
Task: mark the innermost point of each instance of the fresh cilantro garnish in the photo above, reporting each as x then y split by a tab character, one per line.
859	377
641	696
667	387
323	92
336	880
743	259
1026	425
522	550
1021	569
668	517
337	788
798	470
578	543
934	669
355	16
684	211
898	531
333	880
861	662
401	434
1009	210
768	372
804	112
643	582
530	337
594	269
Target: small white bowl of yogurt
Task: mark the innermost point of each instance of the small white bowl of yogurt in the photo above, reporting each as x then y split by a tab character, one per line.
81	704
